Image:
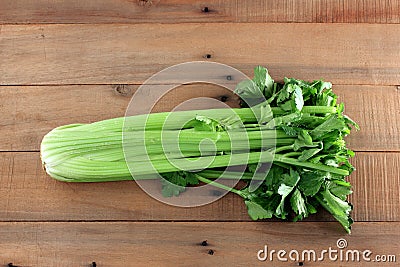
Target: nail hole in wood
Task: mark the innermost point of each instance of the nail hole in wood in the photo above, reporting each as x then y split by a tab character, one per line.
211	252
146	3
205	9
204	243
229	77
11	265
300	263
94	264
207	56
122	89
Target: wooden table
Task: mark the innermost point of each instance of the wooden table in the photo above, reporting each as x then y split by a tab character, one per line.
80	61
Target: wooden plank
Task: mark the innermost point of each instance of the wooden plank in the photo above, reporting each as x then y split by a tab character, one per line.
129	54
179	243
178	11
377	111
28	194
376	186
29	112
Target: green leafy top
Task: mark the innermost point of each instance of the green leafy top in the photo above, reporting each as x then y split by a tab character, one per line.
310	171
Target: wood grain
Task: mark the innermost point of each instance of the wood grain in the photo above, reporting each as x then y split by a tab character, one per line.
178	11
129	54
28	194
375	185
29	112
179	243
377	111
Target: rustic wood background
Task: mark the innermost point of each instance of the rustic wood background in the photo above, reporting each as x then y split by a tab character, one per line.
80	61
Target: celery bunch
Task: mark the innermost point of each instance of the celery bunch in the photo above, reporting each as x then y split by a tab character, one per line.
297	127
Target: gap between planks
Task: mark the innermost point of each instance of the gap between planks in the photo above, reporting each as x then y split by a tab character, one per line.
358	151
156	84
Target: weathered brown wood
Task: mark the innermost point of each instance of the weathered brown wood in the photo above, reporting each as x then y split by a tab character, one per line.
29	112
376	186
179	243
28	194
129	54
88	70
178	11
377	111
